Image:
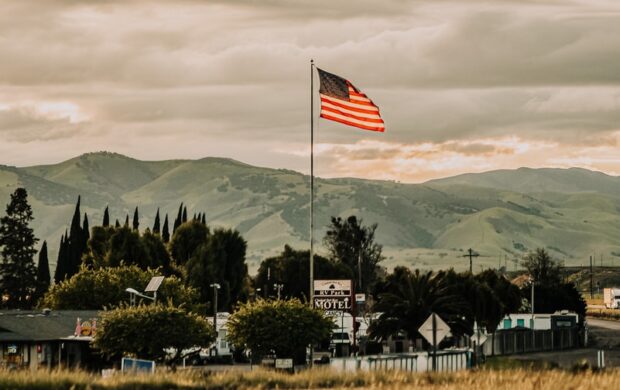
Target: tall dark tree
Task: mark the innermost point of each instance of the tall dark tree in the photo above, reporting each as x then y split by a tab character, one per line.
186	241
178	220
136	219
62	264
184	215
17	270
43	272
156	228
165	233
204	219
126	220
353	244
77	242
117	224
106	217
85	228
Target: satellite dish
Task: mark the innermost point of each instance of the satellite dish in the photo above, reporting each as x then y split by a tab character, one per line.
154	284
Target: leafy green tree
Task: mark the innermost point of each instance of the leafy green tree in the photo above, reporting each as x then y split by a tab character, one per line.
17	240
507	294
136	219
281	327
165	233
156	252
186	240
220	260
291	269
98	247
149	331
43	272
406	299
126	247
351	243
105	287
156	227
106	217
540	266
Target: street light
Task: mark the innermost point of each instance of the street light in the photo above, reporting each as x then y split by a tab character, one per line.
153	286
278	286
216	287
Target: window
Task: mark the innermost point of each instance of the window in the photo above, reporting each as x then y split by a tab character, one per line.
521	323
507	323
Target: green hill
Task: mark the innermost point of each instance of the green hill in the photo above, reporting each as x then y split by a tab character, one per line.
501	214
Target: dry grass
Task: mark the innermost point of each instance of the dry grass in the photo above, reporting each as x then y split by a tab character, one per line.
608	314
479	380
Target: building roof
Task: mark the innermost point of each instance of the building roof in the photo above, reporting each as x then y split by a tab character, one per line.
21	325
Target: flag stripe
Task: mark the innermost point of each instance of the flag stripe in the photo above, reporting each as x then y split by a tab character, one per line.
346	122
354	111
351	119
356	115
351	106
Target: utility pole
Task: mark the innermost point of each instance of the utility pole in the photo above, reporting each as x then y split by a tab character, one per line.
591	279
216	287
278	287
471	254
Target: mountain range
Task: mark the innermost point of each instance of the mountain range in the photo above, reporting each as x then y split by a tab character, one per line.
502	214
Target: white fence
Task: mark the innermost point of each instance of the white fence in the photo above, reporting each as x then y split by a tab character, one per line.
447	360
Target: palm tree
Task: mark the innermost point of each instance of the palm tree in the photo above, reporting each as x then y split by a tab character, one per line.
406	299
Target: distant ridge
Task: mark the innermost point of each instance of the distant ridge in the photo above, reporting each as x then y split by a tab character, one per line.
502	214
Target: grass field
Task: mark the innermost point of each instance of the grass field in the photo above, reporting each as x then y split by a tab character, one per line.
515	379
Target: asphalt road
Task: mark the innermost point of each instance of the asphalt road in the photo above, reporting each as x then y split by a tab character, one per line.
595	323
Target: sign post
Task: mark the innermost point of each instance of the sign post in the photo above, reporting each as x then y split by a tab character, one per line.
434	329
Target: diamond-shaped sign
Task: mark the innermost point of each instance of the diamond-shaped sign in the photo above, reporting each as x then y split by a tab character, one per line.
441	329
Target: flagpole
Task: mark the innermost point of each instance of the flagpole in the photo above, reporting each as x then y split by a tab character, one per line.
312	182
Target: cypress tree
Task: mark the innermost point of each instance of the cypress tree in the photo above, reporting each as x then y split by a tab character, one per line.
85	229
62	264
204	218
179	219
43	272
194	217
126	220
156	224
17	270
117	224
106	217
76	242
136	221
184	215
165	234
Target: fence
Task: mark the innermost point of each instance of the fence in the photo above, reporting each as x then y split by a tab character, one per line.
507	342
447	360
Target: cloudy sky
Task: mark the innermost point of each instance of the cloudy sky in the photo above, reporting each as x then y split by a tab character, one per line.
463	86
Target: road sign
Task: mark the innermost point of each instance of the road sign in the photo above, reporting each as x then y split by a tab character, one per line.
441	329
137	365
479	337
333	295
361	298
284	363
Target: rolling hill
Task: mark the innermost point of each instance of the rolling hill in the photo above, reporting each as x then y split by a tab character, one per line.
501	214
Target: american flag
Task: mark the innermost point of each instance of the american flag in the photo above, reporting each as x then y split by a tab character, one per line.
342	102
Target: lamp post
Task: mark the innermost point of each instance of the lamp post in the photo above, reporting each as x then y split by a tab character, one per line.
278	287
133	293
216	287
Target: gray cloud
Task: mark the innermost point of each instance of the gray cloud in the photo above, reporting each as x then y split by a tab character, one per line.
226	71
